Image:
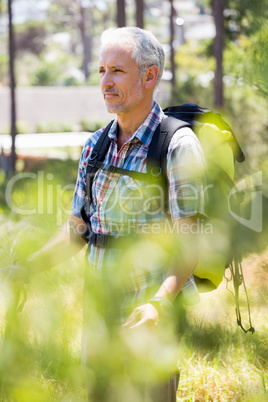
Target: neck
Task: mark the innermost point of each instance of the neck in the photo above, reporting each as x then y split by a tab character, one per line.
129	122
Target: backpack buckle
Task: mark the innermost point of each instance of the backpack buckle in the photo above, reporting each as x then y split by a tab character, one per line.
156	172
93	156
92	162
109	168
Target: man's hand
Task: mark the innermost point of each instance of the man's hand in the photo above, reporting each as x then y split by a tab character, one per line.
145	315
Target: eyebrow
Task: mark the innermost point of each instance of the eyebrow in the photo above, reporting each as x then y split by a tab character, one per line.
112	66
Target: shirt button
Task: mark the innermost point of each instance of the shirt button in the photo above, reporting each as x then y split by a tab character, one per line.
134	185
101	208
112	184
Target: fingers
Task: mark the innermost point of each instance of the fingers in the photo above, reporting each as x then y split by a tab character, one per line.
141	316
138	324
132	319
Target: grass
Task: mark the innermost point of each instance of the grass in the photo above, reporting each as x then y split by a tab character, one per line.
220	362
231	370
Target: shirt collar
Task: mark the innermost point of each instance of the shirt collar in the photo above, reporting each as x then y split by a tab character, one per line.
147	128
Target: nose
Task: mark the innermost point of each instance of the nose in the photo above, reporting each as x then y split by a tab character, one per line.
106	81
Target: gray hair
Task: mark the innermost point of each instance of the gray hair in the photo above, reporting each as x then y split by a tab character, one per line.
146	50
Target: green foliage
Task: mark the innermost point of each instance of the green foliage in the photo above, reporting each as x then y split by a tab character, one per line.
41	361
90	125
53	127
71	81
256	70
246	112
247	60
39	193
234	58
47	74
245	17
193	56
22	128
53	68
194	74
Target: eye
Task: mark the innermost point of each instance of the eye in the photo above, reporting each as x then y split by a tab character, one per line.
101	71
118	70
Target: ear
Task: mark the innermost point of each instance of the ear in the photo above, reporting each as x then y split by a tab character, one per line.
151	75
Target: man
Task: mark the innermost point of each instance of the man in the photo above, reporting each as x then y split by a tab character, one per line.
131	64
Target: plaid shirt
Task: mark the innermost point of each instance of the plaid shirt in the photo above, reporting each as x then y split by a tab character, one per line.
121	204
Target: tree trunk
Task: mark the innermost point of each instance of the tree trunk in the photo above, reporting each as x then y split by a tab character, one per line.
121	13
172	53
139	13
12	85
218	10
86	41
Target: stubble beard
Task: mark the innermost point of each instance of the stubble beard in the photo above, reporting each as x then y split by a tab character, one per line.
134	97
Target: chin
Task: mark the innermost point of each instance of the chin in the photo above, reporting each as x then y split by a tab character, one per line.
115	109
111	110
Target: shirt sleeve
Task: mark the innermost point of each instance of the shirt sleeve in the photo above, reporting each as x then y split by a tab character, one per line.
79	197
186	175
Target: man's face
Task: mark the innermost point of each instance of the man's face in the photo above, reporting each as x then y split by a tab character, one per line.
120	79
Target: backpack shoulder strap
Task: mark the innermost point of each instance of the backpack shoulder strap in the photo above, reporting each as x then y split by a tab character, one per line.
98	154
158	147
101	147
